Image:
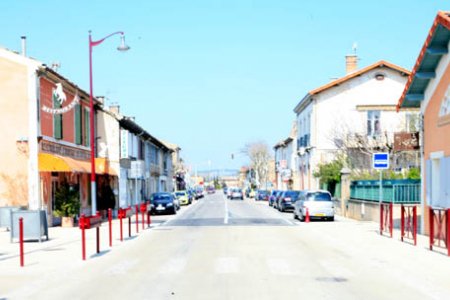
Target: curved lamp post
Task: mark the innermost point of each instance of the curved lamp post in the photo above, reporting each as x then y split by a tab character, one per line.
123	47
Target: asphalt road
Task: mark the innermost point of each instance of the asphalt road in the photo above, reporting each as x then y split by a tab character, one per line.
222	249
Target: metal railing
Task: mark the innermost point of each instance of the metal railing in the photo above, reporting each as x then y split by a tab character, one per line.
394	191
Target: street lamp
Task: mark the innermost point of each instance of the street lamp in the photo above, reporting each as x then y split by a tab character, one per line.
122	47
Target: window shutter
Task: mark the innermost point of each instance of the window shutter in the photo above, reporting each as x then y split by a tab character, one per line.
444	197
428	182
57	120
78	125
87	131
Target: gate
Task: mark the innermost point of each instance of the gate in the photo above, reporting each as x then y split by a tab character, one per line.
440	228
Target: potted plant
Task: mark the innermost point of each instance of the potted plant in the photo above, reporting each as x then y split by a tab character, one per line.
67	204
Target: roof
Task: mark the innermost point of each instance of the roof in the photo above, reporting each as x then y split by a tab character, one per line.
171	146
379	64
435	46
283	143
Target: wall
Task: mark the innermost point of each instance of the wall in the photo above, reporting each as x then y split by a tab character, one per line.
14	112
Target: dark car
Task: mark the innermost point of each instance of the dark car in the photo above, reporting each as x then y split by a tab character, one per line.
225	190
163	203
276	198
262	195
272	197
287	200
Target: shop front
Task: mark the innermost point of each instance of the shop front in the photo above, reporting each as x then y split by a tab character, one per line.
59	163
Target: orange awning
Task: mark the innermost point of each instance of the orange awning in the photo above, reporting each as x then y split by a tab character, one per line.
57	163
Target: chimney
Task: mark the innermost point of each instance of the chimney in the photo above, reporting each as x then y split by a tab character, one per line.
23	45
351	63
114	109
101	99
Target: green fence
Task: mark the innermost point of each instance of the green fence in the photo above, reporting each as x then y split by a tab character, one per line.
396	191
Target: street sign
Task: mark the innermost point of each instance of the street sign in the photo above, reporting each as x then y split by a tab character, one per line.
381	160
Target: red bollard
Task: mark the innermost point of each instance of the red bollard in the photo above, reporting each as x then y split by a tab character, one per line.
431	228
143	219
381	219
402	221
110	226
83	238
149	222
21	240
415	224
391	218
121	228
307	216
129	224
137	219
448	231
98	235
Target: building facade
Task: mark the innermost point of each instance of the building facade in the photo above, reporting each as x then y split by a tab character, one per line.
428	88
352	116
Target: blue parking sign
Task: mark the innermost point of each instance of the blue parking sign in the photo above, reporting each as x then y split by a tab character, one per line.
381	160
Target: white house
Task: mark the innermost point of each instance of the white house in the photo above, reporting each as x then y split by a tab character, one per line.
353	112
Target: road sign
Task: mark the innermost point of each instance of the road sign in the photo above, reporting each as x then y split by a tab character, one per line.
381	160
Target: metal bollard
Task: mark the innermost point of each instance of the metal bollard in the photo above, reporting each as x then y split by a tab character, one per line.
137	219
98	235
121	226
21	240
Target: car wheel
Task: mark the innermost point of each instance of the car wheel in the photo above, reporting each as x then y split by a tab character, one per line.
302	218
174	210
281	208
331	219
294	214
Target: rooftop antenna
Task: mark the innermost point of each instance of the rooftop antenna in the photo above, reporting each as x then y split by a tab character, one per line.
55	66
355	46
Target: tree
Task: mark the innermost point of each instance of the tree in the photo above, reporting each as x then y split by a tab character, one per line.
259	155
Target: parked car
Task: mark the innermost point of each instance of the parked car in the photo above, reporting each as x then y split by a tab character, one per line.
225	190
319	205
272	197
252	194
277	197
164	202
287	200
200	193
230	190
183	197
192	195
236	193
262	195
210	190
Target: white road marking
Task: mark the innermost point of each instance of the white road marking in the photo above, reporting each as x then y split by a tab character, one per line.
278	266
227	265
173	266
121	267
225	220
336	269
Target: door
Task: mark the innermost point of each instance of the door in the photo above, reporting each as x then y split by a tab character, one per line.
55	221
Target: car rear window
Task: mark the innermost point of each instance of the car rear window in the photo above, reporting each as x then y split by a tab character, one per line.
161	196
318	196
292	194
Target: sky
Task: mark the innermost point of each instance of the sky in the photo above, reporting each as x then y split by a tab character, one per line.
212	76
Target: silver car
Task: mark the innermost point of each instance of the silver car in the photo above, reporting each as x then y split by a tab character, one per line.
317	202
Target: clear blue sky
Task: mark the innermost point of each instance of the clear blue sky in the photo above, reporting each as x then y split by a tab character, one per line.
211	76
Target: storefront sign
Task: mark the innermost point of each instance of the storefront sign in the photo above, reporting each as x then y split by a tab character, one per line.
59	94
64	151
124	144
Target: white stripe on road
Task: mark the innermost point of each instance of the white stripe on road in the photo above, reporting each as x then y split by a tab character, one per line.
225	219
121	267
336	269
278	266
227	265
173	266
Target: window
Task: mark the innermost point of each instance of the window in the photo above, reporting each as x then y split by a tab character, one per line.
412	122
78	125
373	123
57	120
87	127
